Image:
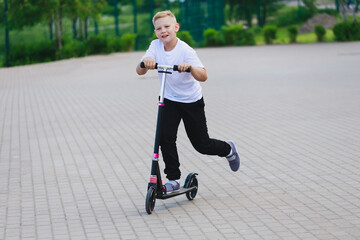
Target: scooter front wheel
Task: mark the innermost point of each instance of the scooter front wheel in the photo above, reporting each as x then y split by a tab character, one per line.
150	200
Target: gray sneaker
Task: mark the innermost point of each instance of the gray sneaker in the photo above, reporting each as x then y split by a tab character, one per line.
234	158
172	186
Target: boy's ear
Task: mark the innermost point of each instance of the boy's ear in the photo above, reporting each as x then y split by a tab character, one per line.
177	27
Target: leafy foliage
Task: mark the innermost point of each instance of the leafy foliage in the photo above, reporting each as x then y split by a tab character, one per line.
310	4
235	35
127	42
246	9
22	13
34	53
293	31
291	15
347	31
320	32
46	51
213	38
269	34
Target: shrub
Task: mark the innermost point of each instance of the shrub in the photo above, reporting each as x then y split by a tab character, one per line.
186	37
346	31
31	53
96	44
320	32
341	32
212	37
237	35
269	34
113	44
256	29
72	48
42	52
293	31
128	42
229	33
354	30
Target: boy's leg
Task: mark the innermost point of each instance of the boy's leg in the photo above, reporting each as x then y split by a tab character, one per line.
195	124
168	134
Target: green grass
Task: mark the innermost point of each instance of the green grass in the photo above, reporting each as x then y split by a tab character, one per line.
311	37
282	37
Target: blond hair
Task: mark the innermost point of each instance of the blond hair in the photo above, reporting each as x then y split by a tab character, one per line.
163	14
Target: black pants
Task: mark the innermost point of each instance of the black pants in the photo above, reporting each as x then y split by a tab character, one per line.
193	116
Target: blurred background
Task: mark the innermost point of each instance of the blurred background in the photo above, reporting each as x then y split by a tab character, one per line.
33	31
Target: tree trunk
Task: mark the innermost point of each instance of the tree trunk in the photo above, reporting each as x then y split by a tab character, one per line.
342	9
51	31
248	18
354	11
263	15
58	38
81	29
61	22
86	28
74	27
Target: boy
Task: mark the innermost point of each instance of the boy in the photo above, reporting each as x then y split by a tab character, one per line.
183	99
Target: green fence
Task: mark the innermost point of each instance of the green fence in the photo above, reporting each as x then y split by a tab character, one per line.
118	18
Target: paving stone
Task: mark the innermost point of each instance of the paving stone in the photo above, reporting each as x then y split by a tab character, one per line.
76	141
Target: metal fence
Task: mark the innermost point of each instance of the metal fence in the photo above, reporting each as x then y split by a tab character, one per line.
193	15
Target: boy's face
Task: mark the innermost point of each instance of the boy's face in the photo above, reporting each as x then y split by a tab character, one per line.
166	29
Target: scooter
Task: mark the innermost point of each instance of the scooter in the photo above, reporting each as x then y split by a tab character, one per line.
156	189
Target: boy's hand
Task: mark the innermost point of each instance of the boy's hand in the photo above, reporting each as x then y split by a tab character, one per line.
182	67
149	63
198	73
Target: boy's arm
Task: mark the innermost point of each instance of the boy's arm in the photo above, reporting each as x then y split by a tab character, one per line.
149	64
197	72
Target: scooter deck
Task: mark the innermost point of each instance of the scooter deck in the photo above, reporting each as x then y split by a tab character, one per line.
174	194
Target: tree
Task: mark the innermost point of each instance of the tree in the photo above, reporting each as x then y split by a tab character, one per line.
246	9
25	12
30	12
342	3
81	10
242	10
267	8
354	9
310	4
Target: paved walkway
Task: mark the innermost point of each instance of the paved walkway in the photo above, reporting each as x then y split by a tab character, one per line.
76	141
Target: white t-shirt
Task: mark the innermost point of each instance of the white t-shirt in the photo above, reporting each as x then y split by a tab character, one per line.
179	87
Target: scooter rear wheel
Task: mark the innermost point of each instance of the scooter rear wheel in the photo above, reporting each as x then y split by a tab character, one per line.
192	182
150	200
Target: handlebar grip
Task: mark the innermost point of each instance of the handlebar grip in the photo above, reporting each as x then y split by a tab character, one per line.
177	69
142	65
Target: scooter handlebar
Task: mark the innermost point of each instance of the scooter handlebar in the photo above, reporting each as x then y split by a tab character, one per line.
174	67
